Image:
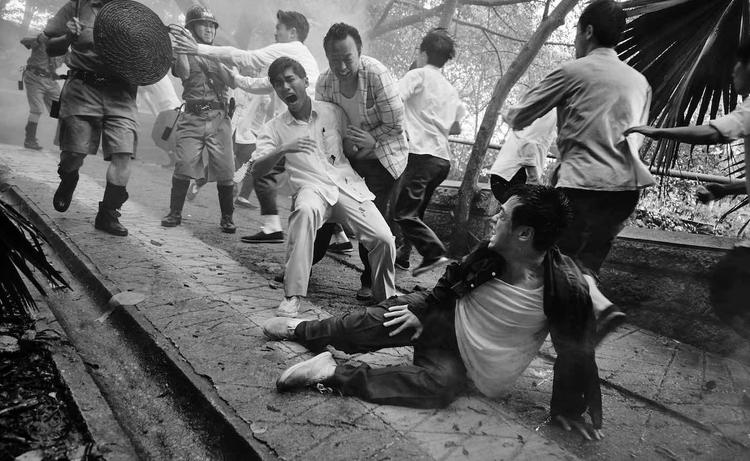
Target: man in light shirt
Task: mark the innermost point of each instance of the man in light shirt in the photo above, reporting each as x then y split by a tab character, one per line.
310	137
597	97
484	320
433	111
291	31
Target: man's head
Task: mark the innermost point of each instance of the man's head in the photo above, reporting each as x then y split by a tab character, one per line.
531	220
291	26
343	46
600	25
289	81
201	23
741	73
437	48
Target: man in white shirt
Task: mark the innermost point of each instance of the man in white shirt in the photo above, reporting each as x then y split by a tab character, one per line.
310	137
433	110
291	31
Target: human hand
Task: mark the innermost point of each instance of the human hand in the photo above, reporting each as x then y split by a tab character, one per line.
304	145
586	430
709	192
74	27
644	130
406	318
183	41
363	139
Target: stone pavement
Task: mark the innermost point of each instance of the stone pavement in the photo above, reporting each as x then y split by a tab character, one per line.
662	399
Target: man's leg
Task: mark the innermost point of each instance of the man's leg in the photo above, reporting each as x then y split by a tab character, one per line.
422	175
79	136
374	234
189	146
266	191
380	182
221	168
246	182
35	97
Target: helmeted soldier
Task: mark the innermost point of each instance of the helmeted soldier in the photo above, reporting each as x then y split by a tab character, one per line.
205	127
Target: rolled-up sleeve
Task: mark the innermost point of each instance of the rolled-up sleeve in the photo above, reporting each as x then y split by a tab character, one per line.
736	124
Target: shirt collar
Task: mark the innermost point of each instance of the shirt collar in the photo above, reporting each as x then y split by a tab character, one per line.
289	118
603	51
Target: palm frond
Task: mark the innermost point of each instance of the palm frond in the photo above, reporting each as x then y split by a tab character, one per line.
686	49
20	251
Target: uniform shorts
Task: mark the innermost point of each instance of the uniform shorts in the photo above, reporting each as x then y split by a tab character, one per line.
207	135
40	91
81	134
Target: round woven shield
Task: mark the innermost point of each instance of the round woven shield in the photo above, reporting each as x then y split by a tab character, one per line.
133	42
729	287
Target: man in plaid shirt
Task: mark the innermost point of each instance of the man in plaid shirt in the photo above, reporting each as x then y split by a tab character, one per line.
367	92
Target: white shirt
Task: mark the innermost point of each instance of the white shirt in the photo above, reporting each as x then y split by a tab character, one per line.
526	149
431	106
251	113
499	329
735	124
327	171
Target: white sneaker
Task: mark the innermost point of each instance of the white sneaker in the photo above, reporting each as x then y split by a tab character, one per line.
280	328
289	307
312	371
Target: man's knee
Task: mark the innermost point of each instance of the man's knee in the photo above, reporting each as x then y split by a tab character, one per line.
70	161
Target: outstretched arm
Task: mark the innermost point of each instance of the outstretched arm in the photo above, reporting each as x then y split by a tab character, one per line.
697	134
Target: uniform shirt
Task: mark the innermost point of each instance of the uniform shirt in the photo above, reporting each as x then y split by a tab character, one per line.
526	149
597	98
39	57
207	80
82	55
327	170
431	105
381	110
499	330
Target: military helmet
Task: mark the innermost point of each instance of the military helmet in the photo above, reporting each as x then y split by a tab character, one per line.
199	13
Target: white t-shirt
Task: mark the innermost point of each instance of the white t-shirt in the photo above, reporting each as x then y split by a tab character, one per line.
499	329
527	148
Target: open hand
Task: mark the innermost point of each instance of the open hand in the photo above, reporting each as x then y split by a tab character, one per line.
363	139
183	41
401	315
586	430
304	145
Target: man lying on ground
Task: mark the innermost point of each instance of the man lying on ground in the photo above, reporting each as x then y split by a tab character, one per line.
485	320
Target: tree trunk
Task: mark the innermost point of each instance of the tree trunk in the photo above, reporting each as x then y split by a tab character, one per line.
449	10
462	240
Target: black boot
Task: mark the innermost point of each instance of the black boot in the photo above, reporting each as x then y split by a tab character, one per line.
64	192
30	141
226	203
107	217
176	202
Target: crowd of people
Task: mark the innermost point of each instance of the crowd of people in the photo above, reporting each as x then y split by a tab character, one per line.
363	153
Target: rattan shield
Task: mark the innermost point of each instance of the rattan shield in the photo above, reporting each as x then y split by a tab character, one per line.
133	42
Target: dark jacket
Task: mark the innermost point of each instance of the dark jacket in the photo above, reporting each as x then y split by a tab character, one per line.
567	305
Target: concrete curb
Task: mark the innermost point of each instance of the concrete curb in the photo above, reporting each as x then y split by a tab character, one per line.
235	433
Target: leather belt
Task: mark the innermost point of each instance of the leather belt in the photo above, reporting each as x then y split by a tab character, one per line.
93	78
198	107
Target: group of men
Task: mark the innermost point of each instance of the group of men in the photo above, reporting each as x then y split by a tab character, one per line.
365	135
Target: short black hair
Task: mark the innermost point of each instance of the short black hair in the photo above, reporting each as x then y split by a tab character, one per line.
439	46
280	65
545	209
340	31
607	19
294	19
743	51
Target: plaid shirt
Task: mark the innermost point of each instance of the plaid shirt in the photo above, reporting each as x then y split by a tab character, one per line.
382	113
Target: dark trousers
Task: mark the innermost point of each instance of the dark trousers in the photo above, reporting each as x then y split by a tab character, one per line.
423	174
381	184
500	186
598	216
436	375
266	189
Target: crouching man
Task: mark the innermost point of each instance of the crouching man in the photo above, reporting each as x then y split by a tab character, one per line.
485	320
309	135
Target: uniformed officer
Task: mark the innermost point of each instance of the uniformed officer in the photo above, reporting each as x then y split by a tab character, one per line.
205	126
94	105
39	79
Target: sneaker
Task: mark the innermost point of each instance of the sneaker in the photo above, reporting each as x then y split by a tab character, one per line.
429	264
193	191
244	203
364	294
227	225
312	371
262	237
280	328
343	248
289	307
610	318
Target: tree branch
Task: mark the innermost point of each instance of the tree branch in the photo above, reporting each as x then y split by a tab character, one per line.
493	3
386	10
507	37
405	21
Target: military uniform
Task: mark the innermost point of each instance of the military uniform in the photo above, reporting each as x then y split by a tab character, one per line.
39	79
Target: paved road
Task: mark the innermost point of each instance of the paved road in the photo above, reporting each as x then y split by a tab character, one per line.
207	294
